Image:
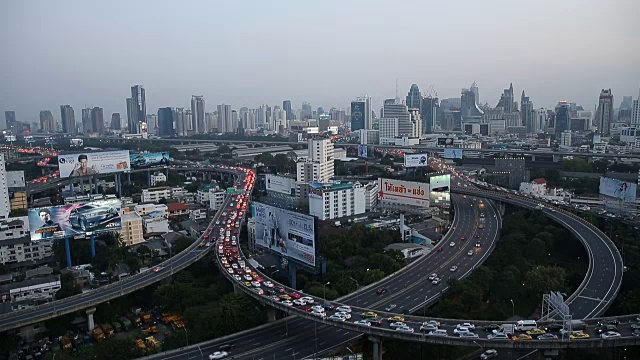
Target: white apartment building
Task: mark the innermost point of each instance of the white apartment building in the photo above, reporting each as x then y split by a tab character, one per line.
198	214
131	233
155	194
15	244
216	199
371	195
331	201
153	210
318	166
5	205
536	187
155	225
565	139
635	111
158	178
178	191
31	292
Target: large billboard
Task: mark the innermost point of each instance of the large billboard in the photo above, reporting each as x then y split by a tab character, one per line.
398	192
76	142
93	163
363	151
140	161
280	184
618	189
288	233
357	115
440	182
445	142
416	160
453	153
75	219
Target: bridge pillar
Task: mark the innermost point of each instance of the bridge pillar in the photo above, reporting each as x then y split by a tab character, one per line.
377	347
271	314
91	323
293	273
92	240
149	178
129	178
67	250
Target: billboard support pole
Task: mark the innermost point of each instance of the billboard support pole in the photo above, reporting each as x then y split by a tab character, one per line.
92	240
292	274
67	251
149	178
129	178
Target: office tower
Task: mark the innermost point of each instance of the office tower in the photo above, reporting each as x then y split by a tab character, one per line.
416	122
47	122
306	112
476	92
414	98
562	115
506	100
539	120
4	189
116	123
97	120
10	118
604	114
278	118
224	119
357	115
68	120
152	124
320	111
234	120
526	113
635	111
388	128
198	111
136	109
338	115
318	166
180	126
624	113
400	112
429	113
261	116
86	120
469	110
166	118
286	106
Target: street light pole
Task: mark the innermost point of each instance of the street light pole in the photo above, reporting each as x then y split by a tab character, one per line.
357	292
186	334
324	296
513	309
201	354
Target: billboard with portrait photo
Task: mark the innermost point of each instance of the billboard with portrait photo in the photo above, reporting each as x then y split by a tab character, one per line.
72	220
453	153
93	163
363	151
141	161
440	182
618	189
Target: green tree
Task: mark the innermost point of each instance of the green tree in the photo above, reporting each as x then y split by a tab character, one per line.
372	276
536	249
543	279
181	244
68	286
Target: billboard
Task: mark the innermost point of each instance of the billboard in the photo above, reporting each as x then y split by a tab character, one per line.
416	160
398	192
363	151
266	169
618	189
93	163
440	182
29	139
358	111
75	219
10	137
453	153
280	184
140	161
445	141
50	141
76	142
288	233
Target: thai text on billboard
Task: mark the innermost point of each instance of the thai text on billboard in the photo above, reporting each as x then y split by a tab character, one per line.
288	233
440	182
618	189
93	163
363	151
280	184
416	160
453	153
75	219
398	192
140	161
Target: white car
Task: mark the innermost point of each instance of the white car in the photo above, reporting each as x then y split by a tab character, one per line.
299	302
337	317
470	253
461	330
345	314
255	284
466	325
436	281
440	332
317	308
452	244
453	268
268	284
397	324
308	299
318	314
405	329
362	322
433	277
218	355
237	277
248	277
343	308
469	335
286	302
610	335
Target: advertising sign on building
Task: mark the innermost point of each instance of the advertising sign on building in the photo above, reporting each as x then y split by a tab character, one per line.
398	192
29	139
280	184
288	233
618	189
416	160
440	182
453	153
445	142
72	220
363	151
93	163
140	161
76	142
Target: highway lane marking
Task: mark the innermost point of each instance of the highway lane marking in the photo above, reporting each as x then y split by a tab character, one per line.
589	298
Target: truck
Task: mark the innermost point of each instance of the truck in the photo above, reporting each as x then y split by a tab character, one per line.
65	343
150	329
140	345
152	343
146	318
108	330
98	334
126	324
116	326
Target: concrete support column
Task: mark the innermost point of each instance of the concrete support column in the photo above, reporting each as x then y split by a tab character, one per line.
90	312
377	347
271	314
92	240
293	272
67	250
149	178
129	178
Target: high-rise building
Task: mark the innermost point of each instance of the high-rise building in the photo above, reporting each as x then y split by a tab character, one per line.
166	118
234	120
388	128
68	120
318	166
224	119
180	125
469	110
429	113
604	114
261	116
4	190
476	92
562	116
87	126
97	120
116	123
306	112
136	109
188	123
526	114
400	112
152	124
635	111
198	113
286	106
414	98
10	118
47	122
357	115
624	112
506	100
539	120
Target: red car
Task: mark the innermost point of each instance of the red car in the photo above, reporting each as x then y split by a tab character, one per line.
381	291
462	238
295	295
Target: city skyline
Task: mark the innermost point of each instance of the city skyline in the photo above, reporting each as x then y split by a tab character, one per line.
102	71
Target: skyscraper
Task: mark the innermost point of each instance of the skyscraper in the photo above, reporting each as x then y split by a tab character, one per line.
357	115
624	113
198	113
47	122
526	114
225	119
429	113
604	114
286	106
97	120
10	118
87	125
476	92
136	109
68	120
166	118
414	98
152	124
562	116
506	100
179	122
635	111
469	110
116	123
306	112
400	112
4	190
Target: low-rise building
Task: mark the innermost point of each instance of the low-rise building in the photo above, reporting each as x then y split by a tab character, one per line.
23	250
155	194
158	178
409	250
216	199
28	293
536	187
198	214
177	209
177	191
371	191
336	200
155	225
131	233
155	210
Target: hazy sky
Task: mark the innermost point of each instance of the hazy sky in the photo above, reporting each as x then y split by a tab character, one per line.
326	52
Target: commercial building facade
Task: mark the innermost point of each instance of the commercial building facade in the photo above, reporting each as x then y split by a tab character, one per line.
331	201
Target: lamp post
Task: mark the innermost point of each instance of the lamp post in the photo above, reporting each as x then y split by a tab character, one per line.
481	348
425	306
357	292
324	287
186	334
513	309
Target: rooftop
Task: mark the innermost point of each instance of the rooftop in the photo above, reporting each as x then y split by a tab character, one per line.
539	181
331	186
171	207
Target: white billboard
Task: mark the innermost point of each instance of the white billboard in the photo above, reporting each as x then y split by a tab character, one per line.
93	163
288	233
280	184
440	182
416	160
453	153
618	189
398	192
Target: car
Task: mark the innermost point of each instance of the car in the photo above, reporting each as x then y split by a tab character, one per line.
428	327
319	314
268	284
337	317
609	322
397	324
218	355
452	244
247	284
286	297
343	308
433	276
604	328
491	327
453	268
307	299
461	330
489	354
258	291
237	278
498	336
294	294
462	238
405	329
436	281
470	253
248	277
469	335
374	321
535	331
395	318
390	307
255	284
547	336
476	236
328	306
553	327
610	335
521	337
478	245
157	269
317	308
440	332
362	322
369	314
466	325
579	335
345	314
92	217
226	347
286	302
381	291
